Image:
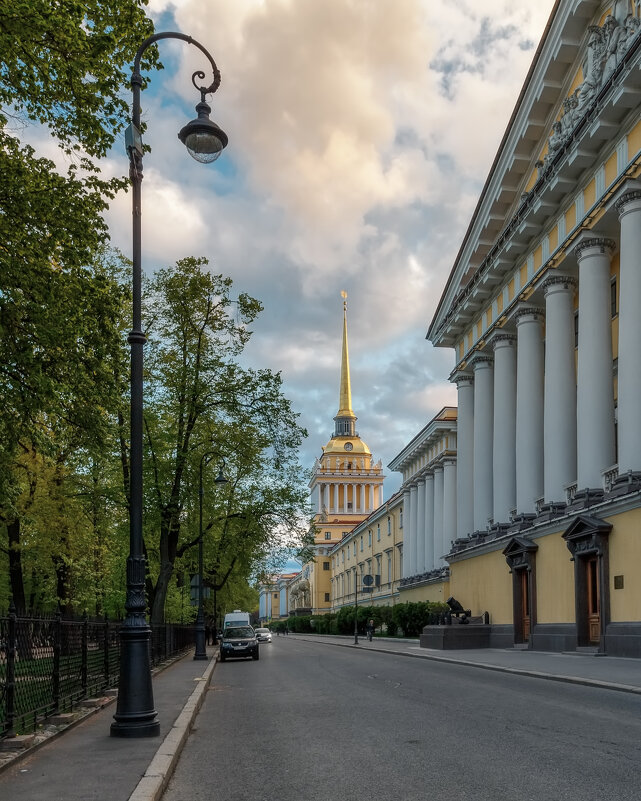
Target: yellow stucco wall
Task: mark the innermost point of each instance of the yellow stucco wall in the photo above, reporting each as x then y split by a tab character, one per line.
432	592
625	558
484	584
554	580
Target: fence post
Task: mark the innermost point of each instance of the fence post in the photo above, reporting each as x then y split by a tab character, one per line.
105	656
11	671
57	644
85	647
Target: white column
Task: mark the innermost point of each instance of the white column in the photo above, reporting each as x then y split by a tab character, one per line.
412	553
420	525
429	522
595	391
529	410
483	423
559	416
438	516
449	504
504	445
407	503
465	455
320	498
629	373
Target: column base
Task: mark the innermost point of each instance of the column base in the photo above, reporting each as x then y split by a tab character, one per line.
498	530
626	483
587	497
551	510
522	521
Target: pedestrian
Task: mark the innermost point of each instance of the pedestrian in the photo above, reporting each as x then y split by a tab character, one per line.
370	629
286	629
207	633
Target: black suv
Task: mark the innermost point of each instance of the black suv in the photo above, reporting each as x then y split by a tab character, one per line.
238	641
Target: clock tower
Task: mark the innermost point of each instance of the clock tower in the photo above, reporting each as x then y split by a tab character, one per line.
345	488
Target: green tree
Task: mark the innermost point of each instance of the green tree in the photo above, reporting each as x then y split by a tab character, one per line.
65	66
200	400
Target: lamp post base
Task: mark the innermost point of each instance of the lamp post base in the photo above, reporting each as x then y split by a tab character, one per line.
135	714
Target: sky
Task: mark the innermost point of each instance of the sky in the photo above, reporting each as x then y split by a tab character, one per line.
360	135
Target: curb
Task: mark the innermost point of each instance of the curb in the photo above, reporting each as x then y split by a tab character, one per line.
156	778
533	674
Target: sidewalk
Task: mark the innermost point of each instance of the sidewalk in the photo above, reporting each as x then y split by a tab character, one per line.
84	763
606	672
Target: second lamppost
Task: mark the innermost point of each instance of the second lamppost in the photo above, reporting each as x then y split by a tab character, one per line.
135	714
201	650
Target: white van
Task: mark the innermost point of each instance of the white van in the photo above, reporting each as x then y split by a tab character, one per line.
236	618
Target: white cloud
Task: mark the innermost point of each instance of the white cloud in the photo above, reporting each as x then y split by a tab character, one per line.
360	135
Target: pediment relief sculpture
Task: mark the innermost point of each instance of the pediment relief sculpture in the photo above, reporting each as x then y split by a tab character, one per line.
607	45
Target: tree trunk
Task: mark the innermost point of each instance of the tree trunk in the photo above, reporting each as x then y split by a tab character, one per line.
15	566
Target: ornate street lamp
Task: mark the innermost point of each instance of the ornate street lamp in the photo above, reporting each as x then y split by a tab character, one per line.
201	651
135	714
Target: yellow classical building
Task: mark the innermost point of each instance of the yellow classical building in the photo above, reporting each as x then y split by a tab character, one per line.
542	310
346	486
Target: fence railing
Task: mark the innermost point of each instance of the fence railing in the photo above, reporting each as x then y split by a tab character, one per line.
48	665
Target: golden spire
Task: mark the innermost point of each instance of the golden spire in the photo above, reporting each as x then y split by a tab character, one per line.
345	401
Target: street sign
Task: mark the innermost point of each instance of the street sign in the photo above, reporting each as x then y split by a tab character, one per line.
368	580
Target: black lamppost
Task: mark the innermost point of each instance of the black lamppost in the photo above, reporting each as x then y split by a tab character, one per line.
201	651
135	714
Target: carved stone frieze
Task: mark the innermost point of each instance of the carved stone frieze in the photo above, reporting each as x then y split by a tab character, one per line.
606	48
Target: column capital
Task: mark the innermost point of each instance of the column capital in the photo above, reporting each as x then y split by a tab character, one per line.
502	339
630	197
482	360
461	377
438	468
528	311
602	244
557	283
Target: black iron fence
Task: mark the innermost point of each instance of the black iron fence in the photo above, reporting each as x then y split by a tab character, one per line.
48	665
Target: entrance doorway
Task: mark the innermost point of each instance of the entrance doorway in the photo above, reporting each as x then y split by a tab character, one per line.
525	605
593	600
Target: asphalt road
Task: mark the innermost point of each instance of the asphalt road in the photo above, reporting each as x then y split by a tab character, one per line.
308	721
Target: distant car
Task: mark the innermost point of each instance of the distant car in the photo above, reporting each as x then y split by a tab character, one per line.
237	642
263	635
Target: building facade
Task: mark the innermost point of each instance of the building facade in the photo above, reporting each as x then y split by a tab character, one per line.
372	549
428	467
542	310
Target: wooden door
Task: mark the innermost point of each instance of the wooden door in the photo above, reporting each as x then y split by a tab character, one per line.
525	605
594	601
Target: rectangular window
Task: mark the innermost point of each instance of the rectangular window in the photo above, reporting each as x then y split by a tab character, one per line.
327	596
369	539
354	547
389	526
361	543
328	535
400	519
325	565
378	532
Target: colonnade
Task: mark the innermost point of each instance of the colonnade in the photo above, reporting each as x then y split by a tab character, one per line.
429	517
365	497
530	422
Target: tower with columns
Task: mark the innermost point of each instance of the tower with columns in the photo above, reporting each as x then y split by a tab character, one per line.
541	310
345	488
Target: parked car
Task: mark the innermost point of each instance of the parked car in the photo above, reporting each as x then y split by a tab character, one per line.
263	635
237	642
